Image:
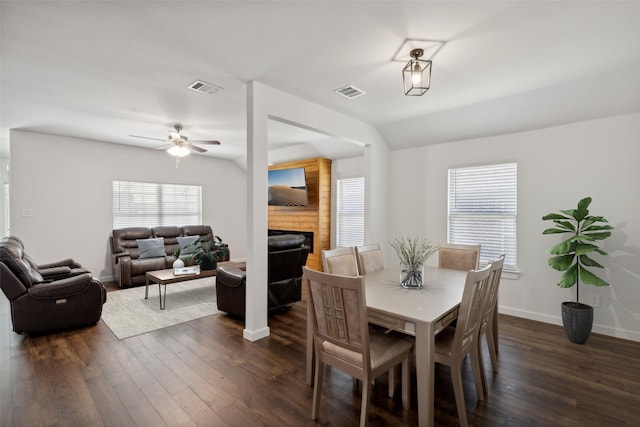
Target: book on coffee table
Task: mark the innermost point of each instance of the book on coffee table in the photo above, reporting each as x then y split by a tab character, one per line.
192	269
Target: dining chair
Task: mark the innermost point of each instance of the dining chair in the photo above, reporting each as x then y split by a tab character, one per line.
488	327
343	339
454	343
458	256
341	260
369	258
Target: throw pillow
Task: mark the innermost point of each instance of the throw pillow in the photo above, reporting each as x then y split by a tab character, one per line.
186	244
151	248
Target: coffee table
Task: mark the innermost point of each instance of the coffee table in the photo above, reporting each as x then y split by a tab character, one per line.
166	277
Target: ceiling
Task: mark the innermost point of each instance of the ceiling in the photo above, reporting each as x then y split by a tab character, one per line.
107	70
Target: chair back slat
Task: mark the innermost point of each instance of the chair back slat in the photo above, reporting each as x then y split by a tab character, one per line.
492	290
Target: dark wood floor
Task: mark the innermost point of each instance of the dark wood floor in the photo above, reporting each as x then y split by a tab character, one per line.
203	373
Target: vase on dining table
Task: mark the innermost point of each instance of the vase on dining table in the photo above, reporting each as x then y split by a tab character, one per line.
411	275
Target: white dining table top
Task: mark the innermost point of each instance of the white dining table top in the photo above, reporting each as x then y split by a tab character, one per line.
441	293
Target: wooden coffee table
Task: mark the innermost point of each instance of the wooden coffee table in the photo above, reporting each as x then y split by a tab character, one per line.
166	277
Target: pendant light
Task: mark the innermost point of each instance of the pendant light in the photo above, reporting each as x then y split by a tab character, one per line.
416	75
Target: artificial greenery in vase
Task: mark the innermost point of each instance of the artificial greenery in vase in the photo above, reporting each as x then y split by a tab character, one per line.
413	252
571	256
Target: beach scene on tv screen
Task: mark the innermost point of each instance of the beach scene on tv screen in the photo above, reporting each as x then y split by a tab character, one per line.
287	187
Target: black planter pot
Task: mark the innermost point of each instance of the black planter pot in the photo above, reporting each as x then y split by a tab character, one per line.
207	264
577	319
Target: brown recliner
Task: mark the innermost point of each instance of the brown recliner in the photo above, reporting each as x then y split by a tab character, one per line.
287	256
50	296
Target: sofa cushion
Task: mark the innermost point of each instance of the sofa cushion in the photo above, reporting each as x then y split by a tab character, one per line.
151	248
285	241
186	244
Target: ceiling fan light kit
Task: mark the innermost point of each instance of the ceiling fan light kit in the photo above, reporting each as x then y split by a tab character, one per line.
416	75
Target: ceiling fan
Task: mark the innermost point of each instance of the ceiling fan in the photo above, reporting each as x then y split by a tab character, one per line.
178	144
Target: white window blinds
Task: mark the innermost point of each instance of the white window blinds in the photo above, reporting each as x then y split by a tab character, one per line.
350	212
146	204
483	209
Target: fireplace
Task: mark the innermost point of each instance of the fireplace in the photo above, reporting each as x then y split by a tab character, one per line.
308	236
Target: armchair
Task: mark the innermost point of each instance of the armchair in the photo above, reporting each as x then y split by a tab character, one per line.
287	256
50	296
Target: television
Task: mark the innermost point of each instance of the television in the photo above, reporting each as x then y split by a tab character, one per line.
287	187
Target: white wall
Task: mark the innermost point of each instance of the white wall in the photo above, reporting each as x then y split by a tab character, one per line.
66	183
556	167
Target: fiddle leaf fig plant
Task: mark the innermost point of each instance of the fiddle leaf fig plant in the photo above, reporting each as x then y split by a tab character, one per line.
572	255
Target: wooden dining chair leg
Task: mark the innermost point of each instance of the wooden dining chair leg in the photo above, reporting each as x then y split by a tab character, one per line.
366	397
405	384
493	350
392	381
478	371
317	389
456	379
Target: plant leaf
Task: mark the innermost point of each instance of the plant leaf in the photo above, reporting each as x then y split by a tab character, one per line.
569	277
562	248
585	260
584	203
596	236
554	216
555	231
562	262
591	279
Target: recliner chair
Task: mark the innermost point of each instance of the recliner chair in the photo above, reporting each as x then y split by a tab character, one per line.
47	297
287	256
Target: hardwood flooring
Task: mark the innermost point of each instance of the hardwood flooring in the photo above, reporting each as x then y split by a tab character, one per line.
204	373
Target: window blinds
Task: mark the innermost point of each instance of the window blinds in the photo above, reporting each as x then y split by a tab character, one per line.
483	209
145	204
350	212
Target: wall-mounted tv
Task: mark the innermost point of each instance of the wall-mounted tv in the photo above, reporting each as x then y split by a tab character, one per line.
288	187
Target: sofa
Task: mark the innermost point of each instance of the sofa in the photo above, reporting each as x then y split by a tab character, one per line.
47	297
136	250
287	256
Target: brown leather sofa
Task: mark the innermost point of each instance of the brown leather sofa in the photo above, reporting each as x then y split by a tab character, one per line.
129	268
287	256
47	297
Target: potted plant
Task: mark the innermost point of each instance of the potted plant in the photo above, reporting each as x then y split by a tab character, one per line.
206	254
413	252
572	256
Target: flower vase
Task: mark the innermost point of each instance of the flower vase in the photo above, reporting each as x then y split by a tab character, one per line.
411	276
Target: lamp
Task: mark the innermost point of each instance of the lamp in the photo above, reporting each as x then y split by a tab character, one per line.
416	75
178	151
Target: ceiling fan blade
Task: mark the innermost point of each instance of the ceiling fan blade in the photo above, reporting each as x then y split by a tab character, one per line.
207	142
165	147
195	148
146	137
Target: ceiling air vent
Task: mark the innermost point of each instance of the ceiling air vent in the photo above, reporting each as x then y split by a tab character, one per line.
350	92
204	87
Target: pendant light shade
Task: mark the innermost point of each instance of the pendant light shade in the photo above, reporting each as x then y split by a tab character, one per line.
178	151
416	75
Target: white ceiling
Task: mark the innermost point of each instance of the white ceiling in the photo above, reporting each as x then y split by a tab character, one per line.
104	70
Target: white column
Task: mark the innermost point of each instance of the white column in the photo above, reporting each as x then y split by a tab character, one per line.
256	326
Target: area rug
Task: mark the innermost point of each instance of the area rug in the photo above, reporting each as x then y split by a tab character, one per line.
127	313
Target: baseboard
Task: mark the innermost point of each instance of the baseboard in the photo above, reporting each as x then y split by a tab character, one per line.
255	335
557	320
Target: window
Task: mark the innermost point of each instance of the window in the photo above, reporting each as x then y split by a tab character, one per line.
350	224
146	204
483	209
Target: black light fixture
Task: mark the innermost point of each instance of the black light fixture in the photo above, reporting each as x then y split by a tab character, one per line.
416	75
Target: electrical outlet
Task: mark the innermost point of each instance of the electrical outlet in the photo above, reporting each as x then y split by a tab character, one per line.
594	300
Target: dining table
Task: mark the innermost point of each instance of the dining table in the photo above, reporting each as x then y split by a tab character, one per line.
421	313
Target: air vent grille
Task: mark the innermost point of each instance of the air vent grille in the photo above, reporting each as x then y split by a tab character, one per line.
350	92
204	87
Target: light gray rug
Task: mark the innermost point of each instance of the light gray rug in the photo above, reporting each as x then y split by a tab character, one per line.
127	313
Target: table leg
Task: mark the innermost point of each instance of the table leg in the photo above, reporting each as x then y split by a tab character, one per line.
146	289
425	370
163	299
